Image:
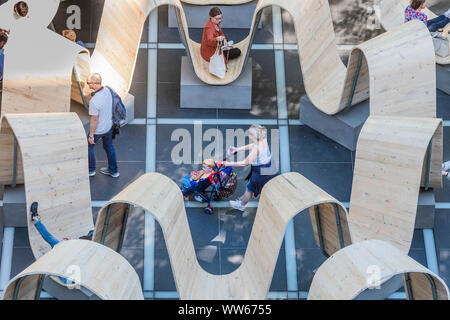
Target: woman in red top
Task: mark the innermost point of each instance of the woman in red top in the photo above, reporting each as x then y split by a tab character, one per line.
212	34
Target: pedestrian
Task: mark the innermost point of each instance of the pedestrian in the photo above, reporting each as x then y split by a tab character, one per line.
260	160
101	126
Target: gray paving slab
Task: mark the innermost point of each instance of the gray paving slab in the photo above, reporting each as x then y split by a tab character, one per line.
442	229
21	259
130	145
442	105
235	227
307	145
334	178
308	260
168	104
444	265
139	91
304	233
135	256
104	187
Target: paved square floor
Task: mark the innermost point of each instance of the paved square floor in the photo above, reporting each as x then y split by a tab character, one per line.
220	240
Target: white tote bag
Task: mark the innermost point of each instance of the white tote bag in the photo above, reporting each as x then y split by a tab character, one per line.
217	65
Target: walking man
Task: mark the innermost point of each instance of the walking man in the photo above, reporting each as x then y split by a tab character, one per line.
101	125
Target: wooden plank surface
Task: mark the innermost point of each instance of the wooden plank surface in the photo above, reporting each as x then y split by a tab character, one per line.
101	270
349	272
327	81
391	14
54	148
387	177
281	200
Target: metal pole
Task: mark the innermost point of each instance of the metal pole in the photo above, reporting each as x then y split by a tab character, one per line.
124	227
355	81
407	281
339	226
432	284
105	226
39	289
319	229
427	175
14	179
17	288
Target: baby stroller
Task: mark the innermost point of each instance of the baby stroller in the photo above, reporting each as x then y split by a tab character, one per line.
221	183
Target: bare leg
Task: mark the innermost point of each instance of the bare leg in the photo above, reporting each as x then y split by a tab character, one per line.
246	197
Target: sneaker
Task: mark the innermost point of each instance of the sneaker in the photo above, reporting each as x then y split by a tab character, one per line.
106	172
33	210
237	204
91	173
198	199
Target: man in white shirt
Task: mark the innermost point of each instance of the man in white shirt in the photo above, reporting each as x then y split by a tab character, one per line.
100	110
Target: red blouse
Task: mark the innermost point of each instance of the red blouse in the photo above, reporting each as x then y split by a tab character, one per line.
209	41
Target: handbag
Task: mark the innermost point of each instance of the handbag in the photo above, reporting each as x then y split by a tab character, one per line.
217	65
441	46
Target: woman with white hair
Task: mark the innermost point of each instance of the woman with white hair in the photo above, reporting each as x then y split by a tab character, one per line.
260	160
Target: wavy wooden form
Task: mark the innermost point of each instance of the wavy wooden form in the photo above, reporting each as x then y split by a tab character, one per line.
53	150
390	156
38	62
102	271
345	274
281	200
391	13
327	81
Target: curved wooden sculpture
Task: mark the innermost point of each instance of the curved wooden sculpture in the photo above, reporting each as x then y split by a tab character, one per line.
101	270
379	58
54	155
392	14
390	156
281	200
346	274
38	62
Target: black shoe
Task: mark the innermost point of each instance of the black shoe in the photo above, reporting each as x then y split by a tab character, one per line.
34	208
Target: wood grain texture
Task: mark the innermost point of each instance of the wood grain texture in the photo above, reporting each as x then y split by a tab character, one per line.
38	62
327	81
102	271
53	149
281	200
391	14
347	273
387	177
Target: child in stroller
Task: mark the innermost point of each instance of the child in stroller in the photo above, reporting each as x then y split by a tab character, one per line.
221	180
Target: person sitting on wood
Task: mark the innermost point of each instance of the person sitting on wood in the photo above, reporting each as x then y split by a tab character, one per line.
414	12
3	41
213	36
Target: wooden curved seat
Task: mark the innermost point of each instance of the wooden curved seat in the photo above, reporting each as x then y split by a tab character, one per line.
392	14
52	154
101	270
327	81
281	200
391	155
345	274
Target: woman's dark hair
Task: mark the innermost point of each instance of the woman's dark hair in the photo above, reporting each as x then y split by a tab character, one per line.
214	12
21	8
3	36
415	4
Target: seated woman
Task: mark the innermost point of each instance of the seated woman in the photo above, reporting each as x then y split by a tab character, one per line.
414	12
20	9
213	36
72	36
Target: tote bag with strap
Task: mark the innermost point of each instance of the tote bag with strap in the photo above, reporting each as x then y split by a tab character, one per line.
217	65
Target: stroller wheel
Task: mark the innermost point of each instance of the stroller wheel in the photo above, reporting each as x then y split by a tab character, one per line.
209	210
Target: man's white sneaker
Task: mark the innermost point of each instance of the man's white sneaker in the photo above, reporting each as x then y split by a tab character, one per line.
106	172
237	204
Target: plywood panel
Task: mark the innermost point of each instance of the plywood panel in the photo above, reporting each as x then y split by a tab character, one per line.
281	200
101	270
53	147
363	265
387	177
391	14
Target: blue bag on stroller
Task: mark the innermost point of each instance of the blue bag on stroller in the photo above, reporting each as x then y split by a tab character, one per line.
223	183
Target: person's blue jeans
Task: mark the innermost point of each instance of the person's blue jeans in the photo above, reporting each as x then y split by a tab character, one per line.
437	23
109	149
47	236
51	240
